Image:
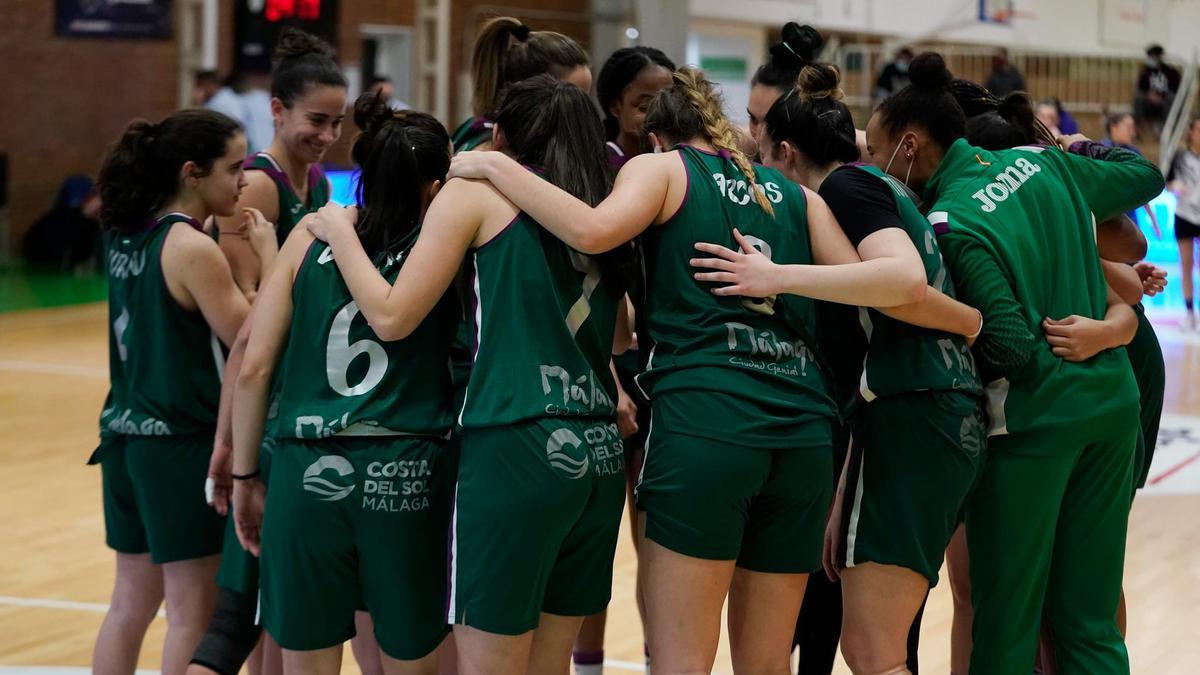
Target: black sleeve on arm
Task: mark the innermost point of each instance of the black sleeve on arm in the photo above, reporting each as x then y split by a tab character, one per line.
862	203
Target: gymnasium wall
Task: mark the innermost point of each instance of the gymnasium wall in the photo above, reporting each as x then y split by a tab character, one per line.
67	99
1094	27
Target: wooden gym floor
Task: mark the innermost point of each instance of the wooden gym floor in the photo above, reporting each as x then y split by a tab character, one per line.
56	574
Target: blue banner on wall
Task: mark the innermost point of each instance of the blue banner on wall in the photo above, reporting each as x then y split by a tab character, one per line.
113	18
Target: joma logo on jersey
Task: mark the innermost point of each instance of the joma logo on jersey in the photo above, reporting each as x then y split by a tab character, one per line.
1007	182
329	490
125	265
765	342
583	389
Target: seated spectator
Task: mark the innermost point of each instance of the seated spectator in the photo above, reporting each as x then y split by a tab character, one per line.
1005	78
66	237
1156	88
1047	113
894	75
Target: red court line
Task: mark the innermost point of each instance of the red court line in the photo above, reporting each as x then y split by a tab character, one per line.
1173	470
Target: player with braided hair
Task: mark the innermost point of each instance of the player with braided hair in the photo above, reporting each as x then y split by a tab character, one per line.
738	472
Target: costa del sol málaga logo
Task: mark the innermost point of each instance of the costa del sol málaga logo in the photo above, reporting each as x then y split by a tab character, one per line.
325	489
557	449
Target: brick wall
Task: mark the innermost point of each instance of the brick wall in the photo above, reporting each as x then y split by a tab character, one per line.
66	99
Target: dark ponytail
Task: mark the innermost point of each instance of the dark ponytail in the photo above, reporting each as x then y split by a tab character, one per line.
926	102
813	118
140	173
618	71
302	60
993	123
799	47
507	51
553	125
399	153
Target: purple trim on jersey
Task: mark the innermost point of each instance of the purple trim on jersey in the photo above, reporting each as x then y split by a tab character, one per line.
304	260
941	228
276	174
499	234
315	174
616	156
152	223
687	190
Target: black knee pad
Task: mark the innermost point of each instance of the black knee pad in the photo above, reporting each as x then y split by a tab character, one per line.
232	634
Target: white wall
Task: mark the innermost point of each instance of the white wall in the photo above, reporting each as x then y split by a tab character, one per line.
1070	26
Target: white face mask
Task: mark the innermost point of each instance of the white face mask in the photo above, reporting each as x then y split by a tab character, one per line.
887	169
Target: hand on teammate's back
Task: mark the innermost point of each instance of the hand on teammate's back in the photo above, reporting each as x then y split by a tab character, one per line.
748	272
472	165
328	218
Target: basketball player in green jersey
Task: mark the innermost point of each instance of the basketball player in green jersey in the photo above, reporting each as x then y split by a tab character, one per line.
308	101
995	124
507	51
359	495
1016	227
916	415
738	472
171	298
540	488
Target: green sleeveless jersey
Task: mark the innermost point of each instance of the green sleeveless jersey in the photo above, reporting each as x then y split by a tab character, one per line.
544	318
164	361
291	209
903	357
472	133
759	351
336	377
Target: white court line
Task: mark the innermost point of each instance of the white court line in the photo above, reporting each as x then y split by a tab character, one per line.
46	603
625	665
53	369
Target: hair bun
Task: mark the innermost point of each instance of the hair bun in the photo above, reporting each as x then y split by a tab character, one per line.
521	32
928	72
799	47
295	43
820	80
370	112
1017	109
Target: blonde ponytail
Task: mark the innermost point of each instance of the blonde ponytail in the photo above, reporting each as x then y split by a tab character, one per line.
717	130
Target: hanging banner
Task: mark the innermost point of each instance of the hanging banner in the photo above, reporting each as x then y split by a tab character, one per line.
113	18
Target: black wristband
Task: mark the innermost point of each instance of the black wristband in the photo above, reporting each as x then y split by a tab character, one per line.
249	476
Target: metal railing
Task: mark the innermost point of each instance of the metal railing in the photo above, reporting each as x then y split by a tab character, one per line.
1180	117
1084	84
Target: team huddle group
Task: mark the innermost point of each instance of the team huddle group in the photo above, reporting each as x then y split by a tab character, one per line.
817	359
